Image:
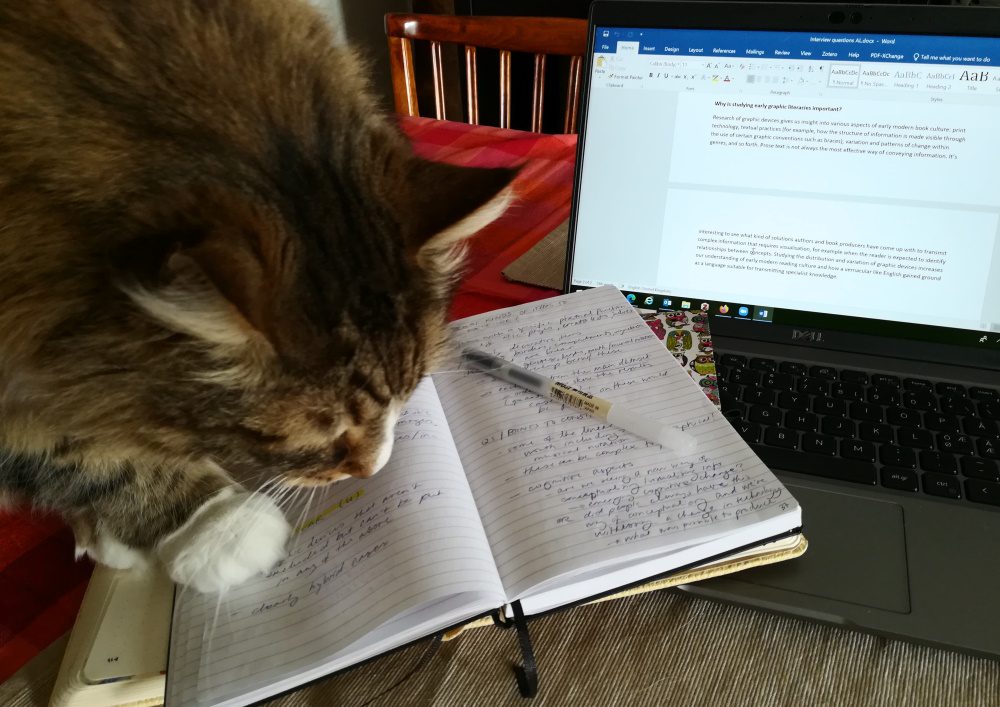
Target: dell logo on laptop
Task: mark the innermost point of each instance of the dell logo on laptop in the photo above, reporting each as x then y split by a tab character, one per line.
813	337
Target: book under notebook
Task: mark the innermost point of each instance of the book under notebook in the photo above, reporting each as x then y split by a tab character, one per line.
492	495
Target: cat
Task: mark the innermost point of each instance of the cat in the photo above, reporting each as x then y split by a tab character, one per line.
222	270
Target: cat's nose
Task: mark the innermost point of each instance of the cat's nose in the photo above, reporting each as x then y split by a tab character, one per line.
348	469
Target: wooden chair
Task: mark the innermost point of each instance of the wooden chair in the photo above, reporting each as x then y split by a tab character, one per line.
540	36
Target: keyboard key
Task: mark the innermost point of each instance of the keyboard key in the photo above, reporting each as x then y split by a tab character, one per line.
847	391
818	444
958	406
795	369
824	372
743	376
768	365
765	414
802	421
990	409
814	386
914	437
941	423
857	449
979	427
837	426
941	485
954	443
729	389
817	465
881	395
980	468
902	417
734	361
984	394
899	479
938	462
982	491
735	411
989	447
868	412
894	455
829	406
778	381
950	389
919	400
872	432
781	437
750	431
859	377
917	384
793	401
758	396
883	380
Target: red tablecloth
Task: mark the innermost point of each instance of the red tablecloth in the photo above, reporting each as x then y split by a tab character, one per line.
41	585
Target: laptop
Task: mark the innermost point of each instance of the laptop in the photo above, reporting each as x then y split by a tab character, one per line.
822	180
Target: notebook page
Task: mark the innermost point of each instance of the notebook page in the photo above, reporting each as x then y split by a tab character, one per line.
372	550
560	491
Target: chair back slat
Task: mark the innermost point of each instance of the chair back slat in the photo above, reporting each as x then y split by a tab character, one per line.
471	86
504	88
540	36
538	93
404	82
437	71
573	95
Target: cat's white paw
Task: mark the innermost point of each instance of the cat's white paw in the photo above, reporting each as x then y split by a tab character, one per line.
229	539
108	550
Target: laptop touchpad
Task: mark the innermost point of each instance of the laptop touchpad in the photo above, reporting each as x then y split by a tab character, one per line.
857	552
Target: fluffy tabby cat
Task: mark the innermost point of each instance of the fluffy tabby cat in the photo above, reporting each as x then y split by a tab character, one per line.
219	267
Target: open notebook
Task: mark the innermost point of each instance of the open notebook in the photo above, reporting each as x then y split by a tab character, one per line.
493	495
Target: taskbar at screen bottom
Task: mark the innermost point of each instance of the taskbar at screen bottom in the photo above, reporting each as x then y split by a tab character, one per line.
983	340
664	303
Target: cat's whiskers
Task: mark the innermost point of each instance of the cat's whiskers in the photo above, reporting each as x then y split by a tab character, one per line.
208	634
302	519
285	496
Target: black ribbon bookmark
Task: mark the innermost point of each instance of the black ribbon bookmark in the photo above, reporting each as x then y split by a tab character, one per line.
526	674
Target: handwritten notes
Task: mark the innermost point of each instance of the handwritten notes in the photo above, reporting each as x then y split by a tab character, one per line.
492	494
559	491
372	550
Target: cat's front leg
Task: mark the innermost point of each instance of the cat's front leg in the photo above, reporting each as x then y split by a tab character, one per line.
209	533
101	545
232	536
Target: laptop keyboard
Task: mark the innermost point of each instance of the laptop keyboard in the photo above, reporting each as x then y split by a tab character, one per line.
906	434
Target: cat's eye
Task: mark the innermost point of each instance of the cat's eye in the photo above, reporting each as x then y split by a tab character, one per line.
258	436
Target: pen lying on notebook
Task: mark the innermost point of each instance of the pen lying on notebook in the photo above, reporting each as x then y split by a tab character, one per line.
600	408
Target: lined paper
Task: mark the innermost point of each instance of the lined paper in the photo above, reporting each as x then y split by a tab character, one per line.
374	549
559	491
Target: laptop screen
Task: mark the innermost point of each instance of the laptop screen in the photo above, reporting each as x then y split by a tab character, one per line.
795	177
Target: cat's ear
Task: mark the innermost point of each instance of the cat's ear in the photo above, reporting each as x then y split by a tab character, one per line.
205	268
444	204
